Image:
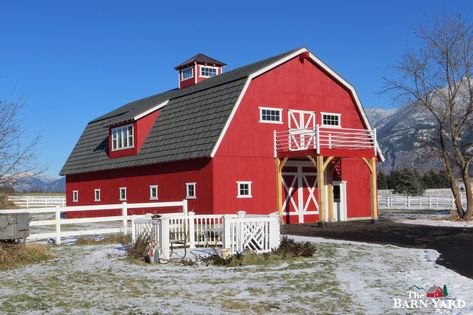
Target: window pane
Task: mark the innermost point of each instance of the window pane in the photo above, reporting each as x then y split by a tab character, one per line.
273	115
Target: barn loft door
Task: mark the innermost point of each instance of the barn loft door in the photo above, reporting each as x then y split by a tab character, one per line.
301	129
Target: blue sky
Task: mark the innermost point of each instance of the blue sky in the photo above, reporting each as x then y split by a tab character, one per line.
71	61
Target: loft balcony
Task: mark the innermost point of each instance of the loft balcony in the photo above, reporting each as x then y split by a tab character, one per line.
342	142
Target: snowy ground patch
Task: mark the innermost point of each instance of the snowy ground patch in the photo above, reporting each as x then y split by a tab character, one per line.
342	277
437	222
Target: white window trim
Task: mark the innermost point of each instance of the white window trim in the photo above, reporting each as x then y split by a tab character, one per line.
133	137
187	190
150	192
261	108
182	73
95	194
250	194
206	76
332	114
75	196
120	194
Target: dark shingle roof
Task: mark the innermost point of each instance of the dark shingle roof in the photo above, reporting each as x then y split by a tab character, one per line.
200	58
187	127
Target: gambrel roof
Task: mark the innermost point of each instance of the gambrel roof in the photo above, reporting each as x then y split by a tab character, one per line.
190	126
187	127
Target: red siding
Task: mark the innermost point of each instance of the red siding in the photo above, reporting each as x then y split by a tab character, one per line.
143	127
170	177
246	152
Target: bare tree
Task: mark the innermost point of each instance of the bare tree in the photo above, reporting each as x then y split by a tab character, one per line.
16	159
438	77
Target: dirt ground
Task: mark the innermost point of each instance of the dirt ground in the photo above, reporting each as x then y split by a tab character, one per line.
455	245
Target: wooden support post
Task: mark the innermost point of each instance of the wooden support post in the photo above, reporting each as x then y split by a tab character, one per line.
374	190
321	189
330	199
279	166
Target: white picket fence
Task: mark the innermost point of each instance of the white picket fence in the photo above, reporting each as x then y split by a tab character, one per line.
238	233
59	222
417	202
37	201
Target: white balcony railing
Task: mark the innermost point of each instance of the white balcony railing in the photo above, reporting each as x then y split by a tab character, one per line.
324	138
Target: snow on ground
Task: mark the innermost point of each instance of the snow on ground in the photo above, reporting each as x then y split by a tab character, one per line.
444	223
342	277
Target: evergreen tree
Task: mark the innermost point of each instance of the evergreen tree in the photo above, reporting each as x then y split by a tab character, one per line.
382	181
444	290
408	182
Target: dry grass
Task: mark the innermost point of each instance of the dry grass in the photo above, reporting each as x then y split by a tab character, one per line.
139	250
5	203
110	239
17	255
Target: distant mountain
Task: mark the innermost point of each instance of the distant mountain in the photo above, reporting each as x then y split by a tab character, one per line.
41	183
401	133
378	114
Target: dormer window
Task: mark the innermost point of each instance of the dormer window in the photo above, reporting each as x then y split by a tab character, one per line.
208	72
122	138
187	73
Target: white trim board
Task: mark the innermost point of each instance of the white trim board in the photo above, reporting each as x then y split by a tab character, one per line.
149	111
279	62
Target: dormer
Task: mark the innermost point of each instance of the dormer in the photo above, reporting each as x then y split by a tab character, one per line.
127	136
197	69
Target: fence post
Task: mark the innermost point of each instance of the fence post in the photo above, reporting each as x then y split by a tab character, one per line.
164	237
317	138
133	230
274	231
191	231
124	217
58	226
430	202
226	231
184	206
409	202
27	202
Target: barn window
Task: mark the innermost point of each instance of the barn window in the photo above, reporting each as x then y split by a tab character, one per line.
331	120
122	138
97	195
208	72
187	73
190	191
244	190
153	192
75	196
122	193
270	115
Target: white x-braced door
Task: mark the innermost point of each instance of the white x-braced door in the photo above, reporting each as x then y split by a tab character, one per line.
301	129
299	194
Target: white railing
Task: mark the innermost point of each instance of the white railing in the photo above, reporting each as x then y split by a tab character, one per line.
238	233
324	138
59	222
417	202
37	201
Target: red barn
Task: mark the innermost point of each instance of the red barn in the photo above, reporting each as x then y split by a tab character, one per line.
283	134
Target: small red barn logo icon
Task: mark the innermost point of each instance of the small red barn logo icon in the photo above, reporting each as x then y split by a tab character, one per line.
437	292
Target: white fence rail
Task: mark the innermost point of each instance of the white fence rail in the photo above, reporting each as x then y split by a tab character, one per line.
37	201
59	222
417	202
238	233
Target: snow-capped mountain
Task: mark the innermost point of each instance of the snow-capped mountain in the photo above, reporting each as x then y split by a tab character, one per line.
40	183
403	134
